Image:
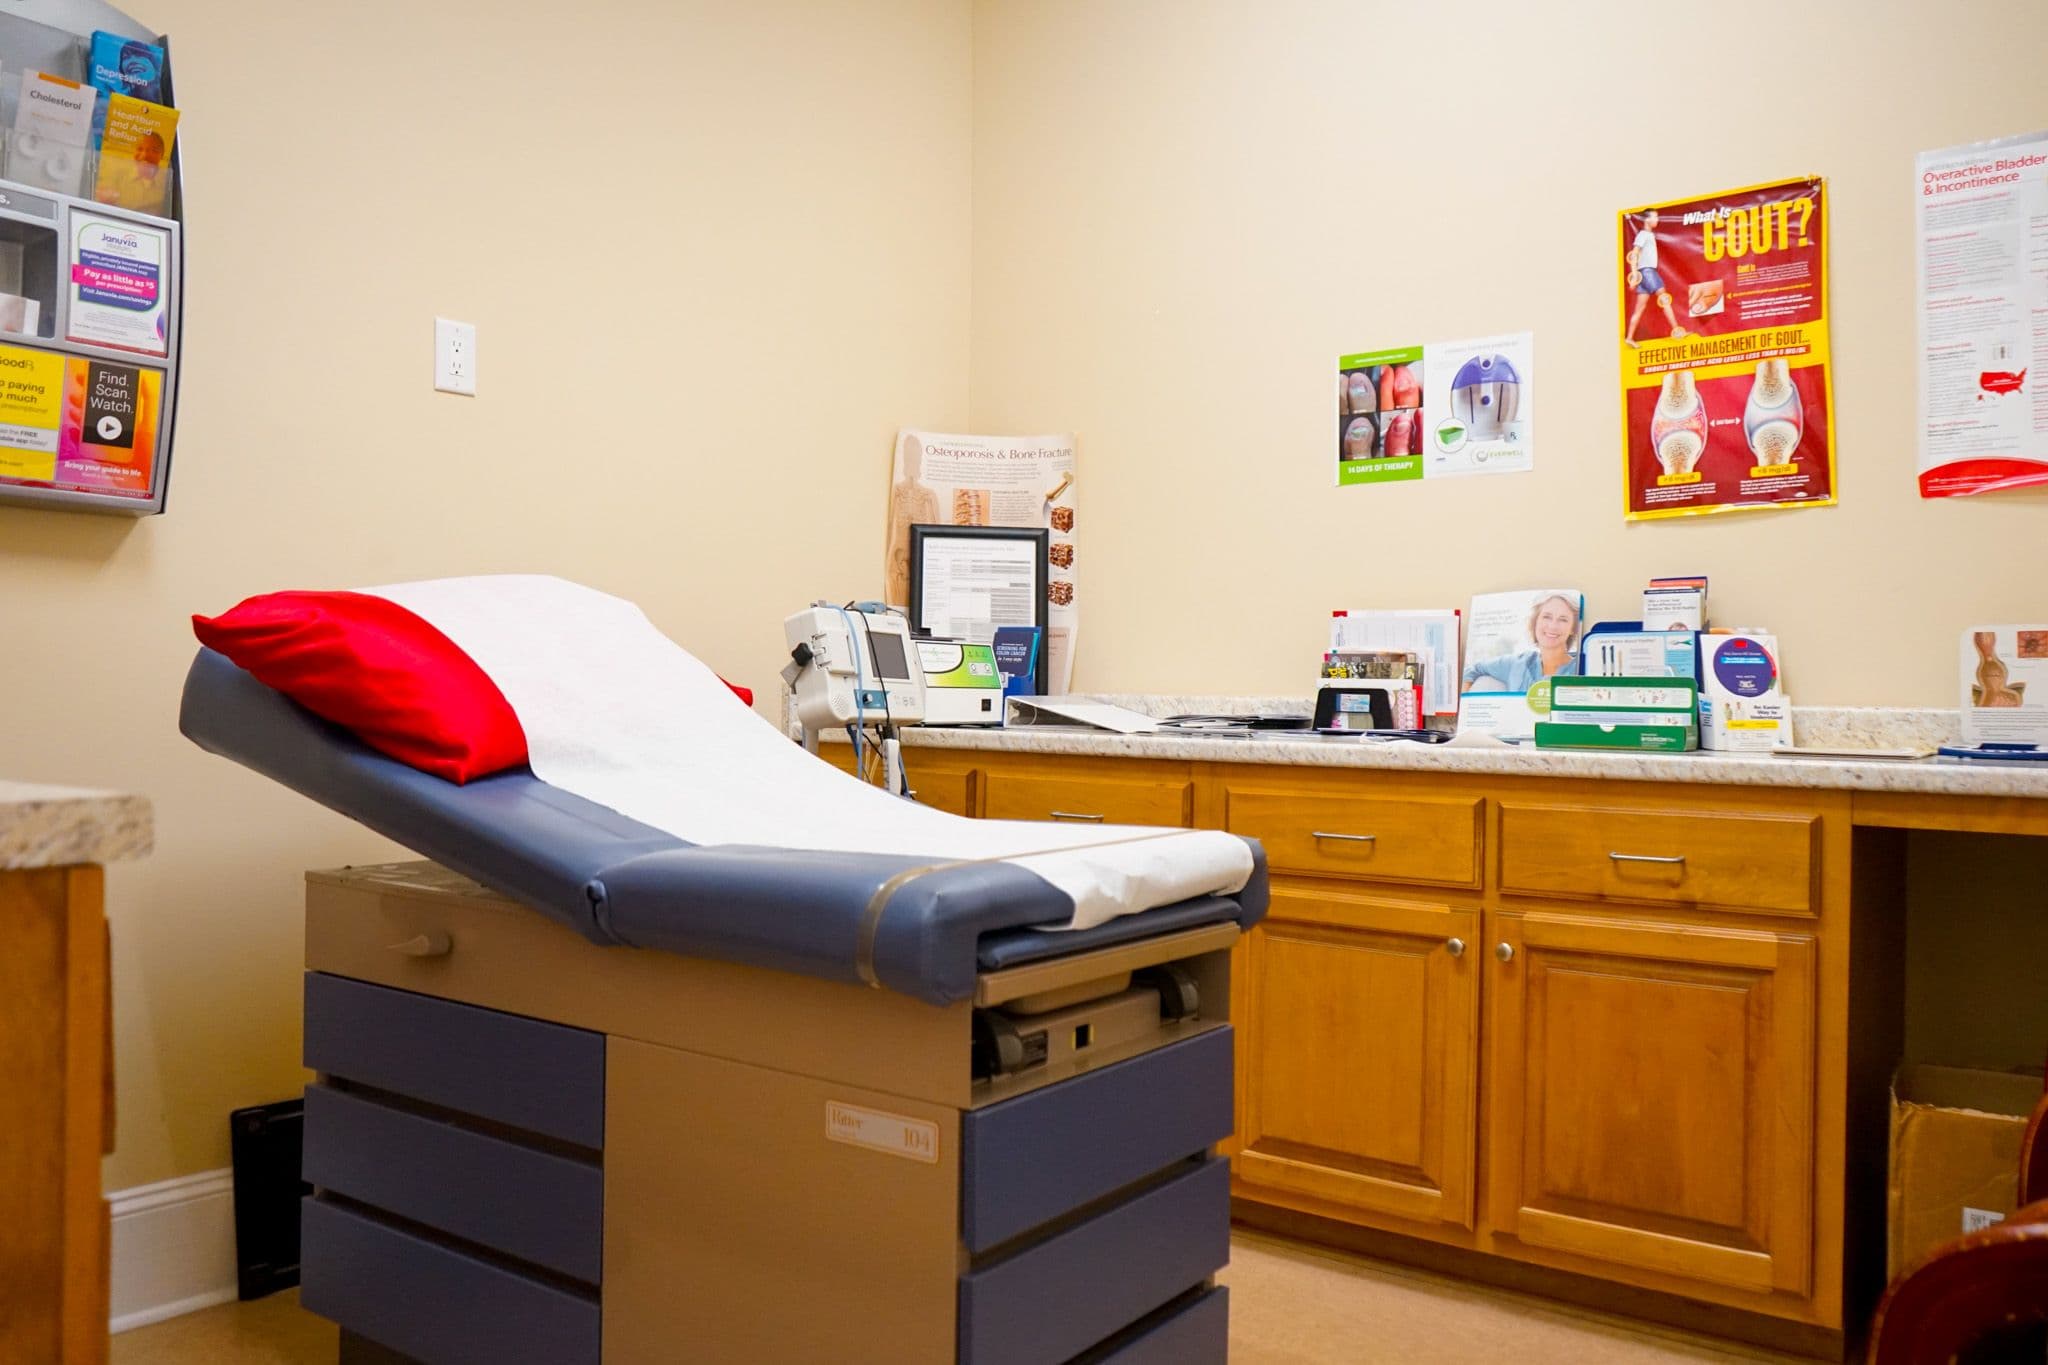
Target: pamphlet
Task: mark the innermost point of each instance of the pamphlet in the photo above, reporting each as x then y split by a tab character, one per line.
1517	642
31	414
117	284
1726	400
1438	410
1983	298
135	154
1024	481
2005	684
126	66
1432	636
52	130
108	441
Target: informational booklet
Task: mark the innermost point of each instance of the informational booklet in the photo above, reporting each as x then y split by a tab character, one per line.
135	154
52	132
1026	481
1515	643
126	66
1981	211
1430	635
2005	684
116	283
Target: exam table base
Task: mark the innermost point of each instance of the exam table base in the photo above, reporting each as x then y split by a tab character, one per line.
528	1147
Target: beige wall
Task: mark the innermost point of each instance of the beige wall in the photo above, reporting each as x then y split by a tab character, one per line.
687	398
1186	209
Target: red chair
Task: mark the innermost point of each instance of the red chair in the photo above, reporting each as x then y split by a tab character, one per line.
1982	1298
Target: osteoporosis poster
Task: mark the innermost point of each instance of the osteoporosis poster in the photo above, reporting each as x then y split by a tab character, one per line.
1438	410
1983	271
1726	390
1028	481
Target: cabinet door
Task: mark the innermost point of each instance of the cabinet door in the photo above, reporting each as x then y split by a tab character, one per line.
1361	1043
1650	1093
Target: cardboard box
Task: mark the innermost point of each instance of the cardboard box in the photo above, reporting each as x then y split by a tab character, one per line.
1955	1155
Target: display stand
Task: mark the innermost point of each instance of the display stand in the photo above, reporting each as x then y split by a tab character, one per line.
91	294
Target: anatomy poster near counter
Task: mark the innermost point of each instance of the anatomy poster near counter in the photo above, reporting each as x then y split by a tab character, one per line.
1725	379
1438	410
1028	481
1982	214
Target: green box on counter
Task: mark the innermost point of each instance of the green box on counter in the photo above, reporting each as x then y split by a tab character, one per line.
1642	715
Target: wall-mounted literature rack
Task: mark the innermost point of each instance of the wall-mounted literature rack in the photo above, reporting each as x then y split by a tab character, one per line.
92	254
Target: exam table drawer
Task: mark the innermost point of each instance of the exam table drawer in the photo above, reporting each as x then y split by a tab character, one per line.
540	1207
540	1077
435	1303
1088	799
1747	860
1434	840
1027	1160
1193	1332
1056	1298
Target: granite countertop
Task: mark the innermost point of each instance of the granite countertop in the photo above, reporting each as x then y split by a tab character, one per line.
1863	727
59	826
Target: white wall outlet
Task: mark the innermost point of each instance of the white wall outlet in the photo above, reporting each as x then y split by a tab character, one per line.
455	356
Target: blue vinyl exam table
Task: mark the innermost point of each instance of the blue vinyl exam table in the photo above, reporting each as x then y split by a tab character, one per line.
717	1104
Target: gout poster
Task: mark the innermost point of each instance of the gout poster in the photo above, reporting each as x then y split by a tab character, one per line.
1725	381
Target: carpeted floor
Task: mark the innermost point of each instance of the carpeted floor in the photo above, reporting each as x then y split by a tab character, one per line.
1289	1305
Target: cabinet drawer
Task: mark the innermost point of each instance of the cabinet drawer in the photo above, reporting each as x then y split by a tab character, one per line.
1089	799
1760	861
1061	1296
535	1206
1030	1159
432	1302
541	1077
1433	840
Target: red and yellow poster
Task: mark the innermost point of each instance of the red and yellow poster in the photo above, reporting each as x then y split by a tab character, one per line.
1726	394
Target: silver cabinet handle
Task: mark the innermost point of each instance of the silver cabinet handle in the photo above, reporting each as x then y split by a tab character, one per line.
1504	951
1671	861
1073	815
1347	838
1455	946
433	943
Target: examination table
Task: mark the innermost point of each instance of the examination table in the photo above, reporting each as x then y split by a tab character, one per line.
589	1092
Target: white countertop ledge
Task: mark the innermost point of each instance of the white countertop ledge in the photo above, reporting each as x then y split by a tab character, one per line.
1928	776
62	826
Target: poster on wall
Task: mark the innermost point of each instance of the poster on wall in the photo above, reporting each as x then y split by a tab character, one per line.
1438	410
949	480
117	295
1727	399
1982	215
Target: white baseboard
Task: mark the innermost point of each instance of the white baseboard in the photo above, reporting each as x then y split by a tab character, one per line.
174	1248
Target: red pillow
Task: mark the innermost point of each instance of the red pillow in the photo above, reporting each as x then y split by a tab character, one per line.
373	667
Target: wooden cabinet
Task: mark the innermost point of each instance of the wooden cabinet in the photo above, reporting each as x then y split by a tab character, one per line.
1651	1088
1361	1043
1334	834
1747	861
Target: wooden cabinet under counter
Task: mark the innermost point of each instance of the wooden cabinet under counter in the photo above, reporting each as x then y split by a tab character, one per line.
1753	861
1651	1088
1335	833
1362	1054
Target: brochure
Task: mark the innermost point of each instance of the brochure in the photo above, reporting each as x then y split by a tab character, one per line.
108	442
1432	636
135	153
31	412
126	66
2005	684
117	284
52	130
1516	642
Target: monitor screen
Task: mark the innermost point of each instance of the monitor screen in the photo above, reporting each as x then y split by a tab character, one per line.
890	660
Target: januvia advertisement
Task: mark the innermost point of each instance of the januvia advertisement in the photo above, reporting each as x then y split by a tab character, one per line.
1725	379
1983	269
117	285
1439	410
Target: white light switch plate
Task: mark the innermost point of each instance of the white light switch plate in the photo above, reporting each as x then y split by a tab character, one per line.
455	356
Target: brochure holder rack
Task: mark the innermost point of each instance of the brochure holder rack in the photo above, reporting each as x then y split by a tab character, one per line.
91	294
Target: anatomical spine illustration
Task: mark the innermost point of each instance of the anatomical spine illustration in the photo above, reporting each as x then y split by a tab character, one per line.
1773	419
1678	430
